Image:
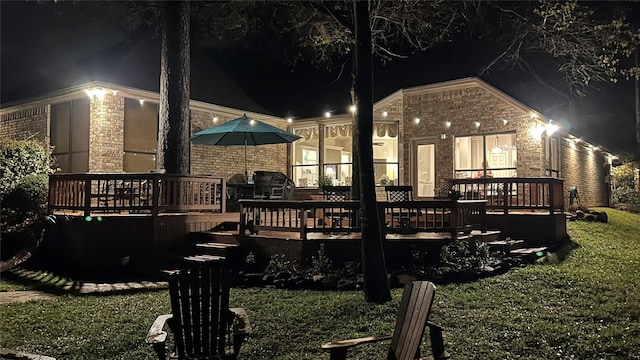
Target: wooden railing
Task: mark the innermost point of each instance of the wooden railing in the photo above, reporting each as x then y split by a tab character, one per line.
135	193
305	217
446	216
508	194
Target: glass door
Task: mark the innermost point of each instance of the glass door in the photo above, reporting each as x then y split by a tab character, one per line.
424	165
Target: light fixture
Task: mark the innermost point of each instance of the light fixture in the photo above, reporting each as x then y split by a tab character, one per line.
577	140
141	101
97	93
289	120
551	128
327	114
443	136
504	121
215	119
447	124
353	108
417	120
536	131
385	114
477	124
252	122
496	149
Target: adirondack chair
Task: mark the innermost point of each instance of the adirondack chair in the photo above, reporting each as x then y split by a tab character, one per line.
411	322
202	324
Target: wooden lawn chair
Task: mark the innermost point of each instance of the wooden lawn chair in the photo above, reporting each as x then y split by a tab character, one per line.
202	324
411	322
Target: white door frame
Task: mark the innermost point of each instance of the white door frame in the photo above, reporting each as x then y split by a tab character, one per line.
413	164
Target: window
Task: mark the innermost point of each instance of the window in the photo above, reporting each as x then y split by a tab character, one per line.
70	135
140	135
338	156
385	153
491	155
338	145
306	161
552	157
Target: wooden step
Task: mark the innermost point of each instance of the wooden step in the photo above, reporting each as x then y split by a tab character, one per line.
505	245
215	248
529	254
212	236
203	259
487	236
529	251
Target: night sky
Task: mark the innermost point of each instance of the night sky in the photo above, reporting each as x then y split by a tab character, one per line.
50	47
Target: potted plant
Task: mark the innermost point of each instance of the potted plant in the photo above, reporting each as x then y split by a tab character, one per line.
324	181
454	195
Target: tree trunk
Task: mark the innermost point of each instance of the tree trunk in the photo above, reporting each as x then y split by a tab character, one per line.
175	79
637	86
376	286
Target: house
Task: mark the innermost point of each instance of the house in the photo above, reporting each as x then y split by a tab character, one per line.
458	129
461	132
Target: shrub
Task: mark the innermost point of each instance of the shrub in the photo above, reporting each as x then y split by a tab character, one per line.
625	192
20	158
29	195
464	256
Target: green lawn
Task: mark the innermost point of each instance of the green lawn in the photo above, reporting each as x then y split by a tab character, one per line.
584	306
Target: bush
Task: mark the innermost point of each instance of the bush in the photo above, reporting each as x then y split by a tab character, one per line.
465	256
625	192
24	167
29	195
21	158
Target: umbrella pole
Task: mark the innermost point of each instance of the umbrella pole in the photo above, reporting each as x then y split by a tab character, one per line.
246	172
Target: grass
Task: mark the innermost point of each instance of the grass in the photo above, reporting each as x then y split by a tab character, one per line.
581	303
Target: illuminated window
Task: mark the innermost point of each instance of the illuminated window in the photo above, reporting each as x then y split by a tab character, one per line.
552	157
491	155
306	160
140	135
70	135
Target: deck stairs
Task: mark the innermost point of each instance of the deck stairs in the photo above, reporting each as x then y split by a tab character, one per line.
205	247
516	248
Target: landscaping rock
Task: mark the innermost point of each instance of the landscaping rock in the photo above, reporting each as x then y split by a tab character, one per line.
602	217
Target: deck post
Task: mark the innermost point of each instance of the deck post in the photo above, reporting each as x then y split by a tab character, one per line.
87	196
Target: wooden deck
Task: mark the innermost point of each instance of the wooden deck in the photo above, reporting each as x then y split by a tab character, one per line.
105	218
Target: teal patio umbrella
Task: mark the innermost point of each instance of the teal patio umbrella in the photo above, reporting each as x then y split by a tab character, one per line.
243	131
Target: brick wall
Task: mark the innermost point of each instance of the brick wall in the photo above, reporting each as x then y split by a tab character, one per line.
585	169
30	122
106	134
226	161
463	107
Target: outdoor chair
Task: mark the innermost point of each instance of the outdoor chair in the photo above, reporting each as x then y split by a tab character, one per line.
336	194
401	217
411	323
202	324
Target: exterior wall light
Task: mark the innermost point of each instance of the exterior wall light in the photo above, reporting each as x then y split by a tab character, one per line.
289	120
327	114
417	120
385	114
536	131
447	124
551	128
353	108
477	124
